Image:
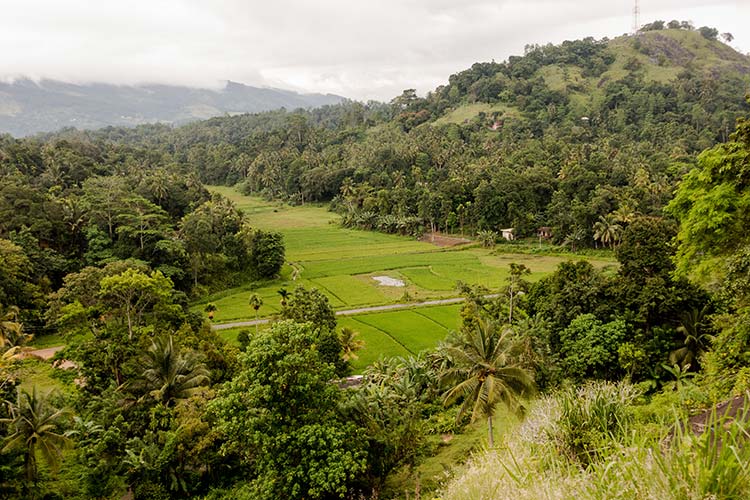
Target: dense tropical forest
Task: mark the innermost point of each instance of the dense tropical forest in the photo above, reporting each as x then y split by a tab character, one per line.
637	146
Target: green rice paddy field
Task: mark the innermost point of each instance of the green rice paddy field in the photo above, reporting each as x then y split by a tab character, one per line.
342	262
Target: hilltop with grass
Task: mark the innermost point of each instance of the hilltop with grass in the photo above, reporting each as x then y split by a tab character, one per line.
581	72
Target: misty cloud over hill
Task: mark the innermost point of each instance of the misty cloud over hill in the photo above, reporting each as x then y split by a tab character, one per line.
28	107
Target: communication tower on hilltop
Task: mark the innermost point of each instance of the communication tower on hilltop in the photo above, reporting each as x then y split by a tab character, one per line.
636	16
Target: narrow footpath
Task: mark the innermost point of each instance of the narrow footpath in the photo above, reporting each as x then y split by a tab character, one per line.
49	352
359	310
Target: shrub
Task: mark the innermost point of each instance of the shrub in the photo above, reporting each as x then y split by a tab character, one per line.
589	348
592	419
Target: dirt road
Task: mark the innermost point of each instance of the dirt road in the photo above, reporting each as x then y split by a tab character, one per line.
352	312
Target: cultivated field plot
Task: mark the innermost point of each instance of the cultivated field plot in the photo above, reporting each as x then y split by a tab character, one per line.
341	263
389	334
312	233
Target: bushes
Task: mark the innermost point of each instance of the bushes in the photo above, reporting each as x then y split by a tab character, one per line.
592	419
712	465
589	347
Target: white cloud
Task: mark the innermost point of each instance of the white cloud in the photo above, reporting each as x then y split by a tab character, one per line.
361	49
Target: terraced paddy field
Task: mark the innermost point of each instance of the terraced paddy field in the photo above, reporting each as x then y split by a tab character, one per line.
342	263
393	333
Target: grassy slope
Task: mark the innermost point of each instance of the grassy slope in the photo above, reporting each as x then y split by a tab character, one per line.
466	112
679	49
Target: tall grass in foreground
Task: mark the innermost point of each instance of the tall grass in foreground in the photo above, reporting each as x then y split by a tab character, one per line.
533	465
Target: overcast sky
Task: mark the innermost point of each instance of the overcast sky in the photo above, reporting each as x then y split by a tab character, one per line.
362	49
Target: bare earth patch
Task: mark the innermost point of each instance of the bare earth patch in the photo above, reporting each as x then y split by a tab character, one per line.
388	281
440	240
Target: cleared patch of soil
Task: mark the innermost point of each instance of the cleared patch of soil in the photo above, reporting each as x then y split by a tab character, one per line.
729	410
388	281
440	240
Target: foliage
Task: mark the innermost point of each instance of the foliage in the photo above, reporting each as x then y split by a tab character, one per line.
390	407
712	204
266	251
168	375
350	343
311	306
482	373
592	419
487	238
280	415
575	288
36	426
132	293
589	348
709	465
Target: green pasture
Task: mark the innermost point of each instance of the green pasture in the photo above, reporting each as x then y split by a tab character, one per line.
312	233
389	334
414	331
341	263
447	316
467	112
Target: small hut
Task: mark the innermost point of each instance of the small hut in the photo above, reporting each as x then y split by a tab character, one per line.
544	233
509	234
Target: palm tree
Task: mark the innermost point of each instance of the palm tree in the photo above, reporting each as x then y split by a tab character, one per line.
696	339
35	426
168	374
284	295
482	372
574	238
256	302
11	330
210	309
350	344
607	231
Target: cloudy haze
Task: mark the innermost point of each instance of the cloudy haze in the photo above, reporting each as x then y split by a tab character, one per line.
360	49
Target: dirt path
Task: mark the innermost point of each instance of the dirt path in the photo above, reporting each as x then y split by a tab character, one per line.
359	310
441	240
46	353
49	352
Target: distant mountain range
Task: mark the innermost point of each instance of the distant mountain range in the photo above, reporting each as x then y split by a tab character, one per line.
28	107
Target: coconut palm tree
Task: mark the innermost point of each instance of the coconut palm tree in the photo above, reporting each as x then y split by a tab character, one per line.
210	309
607	231
696	339
35	426
11	330
256	302
284	295
350	343
168	374
482	373
574	239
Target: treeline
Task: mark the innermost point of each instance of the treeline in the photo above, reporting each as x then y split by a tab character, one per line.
593	147
68	204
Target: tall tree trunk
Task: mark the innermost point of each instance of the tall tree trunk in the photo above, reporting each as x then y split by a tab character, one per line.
128	314
492	437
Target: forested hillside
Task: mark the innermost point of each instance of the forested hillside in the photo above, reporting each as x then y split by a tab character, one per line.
110	243
565	136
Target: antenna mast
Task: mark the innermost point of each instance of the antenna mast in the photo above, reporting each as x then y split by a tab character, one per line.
636	20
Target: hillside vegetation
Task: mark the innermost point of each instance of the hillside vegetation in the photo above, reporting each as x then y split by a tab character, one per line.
579	380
